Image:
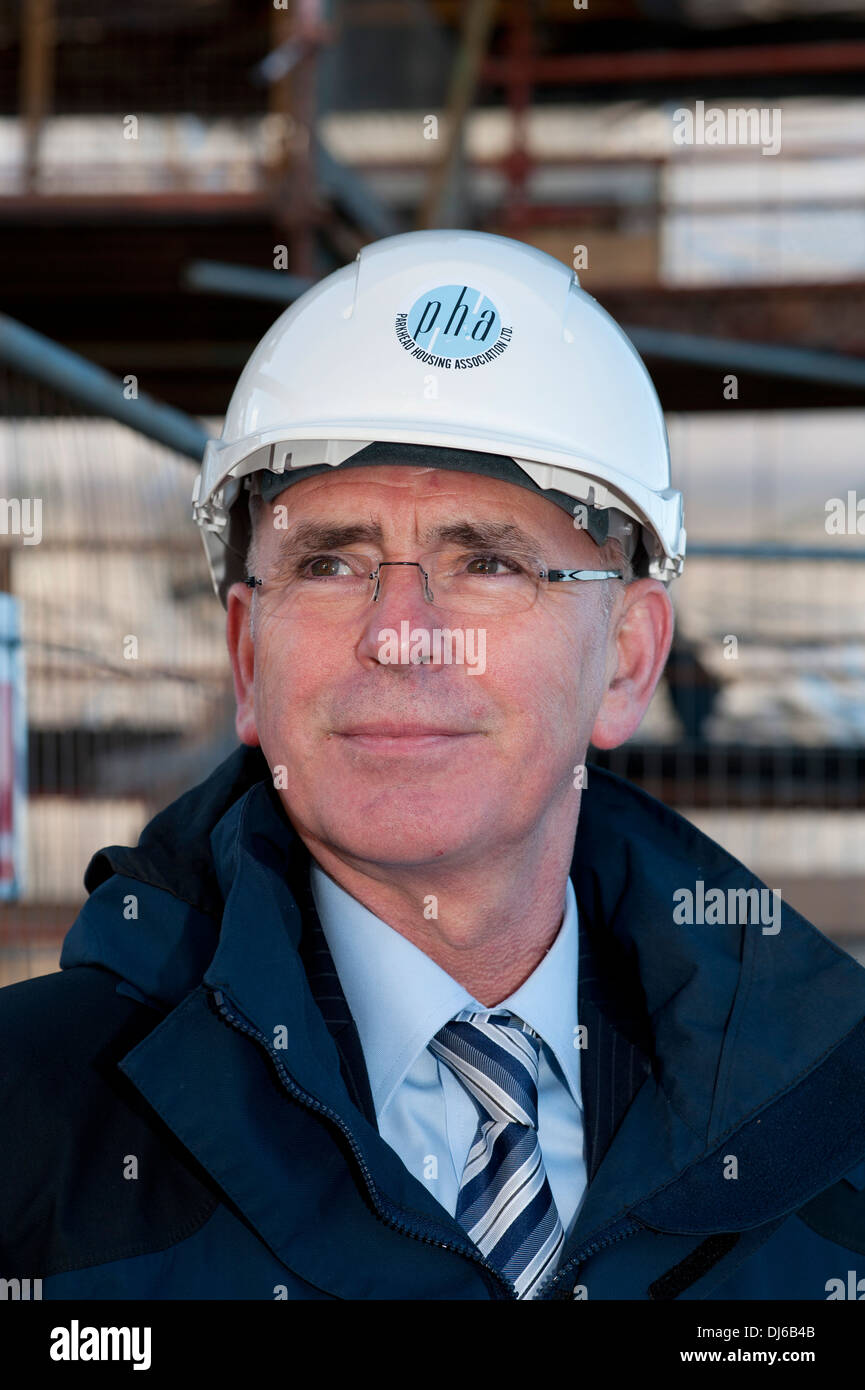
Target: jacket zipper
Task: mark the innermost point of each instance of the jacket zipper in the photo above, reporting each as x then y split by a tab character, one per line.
238	1021
630	1228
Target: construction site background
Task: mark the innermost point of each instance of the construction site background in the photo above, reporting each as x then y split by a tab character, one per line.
171	176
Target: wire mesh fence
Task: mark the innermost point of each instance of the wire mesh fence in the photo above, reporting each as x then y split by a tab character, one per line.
127	681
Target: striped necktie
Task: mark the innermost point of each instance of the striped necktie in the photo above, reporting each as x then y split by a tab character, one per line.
504	1202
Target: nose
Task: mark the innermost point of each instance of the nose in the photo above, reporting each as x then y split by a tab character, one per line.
399	622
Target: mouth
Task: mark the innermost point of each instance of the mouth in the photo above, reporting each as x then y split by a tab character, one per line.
403	738
390	730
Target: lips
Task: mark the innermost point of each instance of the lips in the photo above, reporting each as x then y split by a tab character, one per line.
402	731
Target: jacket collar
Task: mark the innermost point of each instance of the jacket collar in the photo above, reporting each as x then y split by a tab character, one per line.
725	1029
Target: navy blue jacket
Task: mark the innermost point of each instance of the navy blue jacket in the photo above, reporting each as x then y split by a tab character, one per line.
163	1138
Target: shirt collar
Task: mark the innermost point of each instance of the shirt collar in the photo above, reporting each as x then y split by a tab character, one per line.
399	998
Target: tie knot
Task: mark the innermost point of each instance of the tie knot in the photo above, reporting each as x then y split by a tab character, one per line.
495	1056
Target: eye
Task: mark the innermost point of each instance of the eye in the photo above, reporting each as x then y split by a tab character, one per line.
488	563
323	566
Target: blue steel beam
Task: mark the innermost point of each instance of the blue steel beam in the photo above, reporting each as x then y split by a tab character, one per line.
40	357
246	281
351	190
730	354
767	550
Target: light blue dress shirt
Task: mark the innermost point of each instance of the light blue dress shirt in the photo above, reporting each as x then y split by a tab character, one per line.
399	999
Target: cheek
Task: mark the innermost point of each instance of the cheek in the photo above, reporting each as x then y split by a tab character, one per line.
562	680
285	672
546	680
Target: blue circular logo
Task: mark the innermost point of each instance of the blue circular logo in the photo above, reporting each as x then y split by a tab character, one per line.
451	324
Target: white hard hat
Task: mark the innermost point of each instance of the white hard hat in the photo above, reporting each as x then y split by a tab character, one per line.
472	344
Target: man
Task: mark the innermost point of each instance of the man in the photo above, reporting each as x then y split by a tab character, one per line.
407	1001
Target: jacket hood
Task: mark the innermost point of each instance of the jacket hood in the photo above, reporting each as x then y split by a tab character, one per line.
731	1017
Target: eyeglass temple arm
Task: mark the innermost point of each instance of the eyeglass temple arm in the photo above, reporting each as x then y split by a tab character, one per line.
556	576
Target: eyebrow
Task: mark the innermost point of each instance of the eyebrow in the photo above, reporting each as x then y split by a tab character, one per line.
484	535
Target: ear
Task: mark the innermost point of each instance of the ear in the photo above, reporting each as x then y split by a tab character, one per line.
241	649
641	632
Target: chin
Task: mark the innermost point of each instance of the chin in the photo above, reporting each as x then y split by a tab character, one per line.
403	837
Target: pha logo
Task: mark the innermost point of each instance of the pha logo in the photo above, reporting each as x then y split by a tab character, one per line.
454	327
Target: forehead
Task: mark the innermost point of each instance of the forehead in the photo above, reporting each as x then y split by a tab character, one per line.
415	504
385	485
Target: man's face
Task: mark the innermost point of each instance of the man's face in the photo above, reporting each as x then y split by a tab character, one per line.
364	774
